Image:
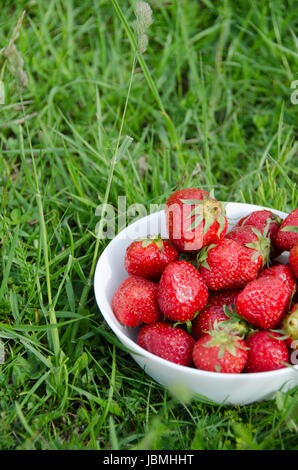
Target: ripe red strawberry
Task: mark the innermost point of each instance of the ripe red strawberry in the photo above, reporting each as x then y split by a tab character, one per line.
252	239
220	350
165	341
293	260
227	265
148	258
290	326
194	219
263	302
265	352
181	291
284	273
287	236
134	302
214	312
265	221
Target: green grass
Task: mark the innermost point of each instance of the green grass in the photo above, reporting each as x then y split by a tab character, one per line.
222	71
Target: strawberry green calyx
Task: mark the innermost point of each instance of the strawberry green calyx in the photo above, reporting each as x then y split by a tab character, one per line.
202	256
235	322
281	332
206	211
262	245
156	239
290	228
226	339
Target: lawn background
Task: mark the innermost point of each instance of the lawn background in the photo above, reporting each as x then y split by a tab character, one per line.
223	71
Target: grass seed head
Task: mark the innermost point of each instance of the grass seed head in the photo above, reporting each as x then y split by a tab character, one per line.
143	21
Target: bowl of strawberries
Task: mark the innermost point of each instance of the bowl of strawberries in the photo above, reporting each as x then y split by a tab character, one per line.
203	294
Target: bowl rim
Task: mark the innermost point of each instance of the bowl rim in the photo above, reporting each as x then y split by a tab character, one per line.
134	348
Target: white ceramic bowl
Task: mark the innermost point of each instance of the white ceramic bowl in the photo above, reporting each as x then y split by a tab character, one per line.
233	389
